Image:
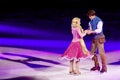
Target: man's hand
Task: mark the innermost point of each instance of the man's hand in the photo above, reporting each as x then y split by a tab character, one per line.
88	31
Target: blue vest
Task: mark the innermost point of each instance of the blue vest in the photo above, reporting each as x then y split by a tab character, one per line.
93	24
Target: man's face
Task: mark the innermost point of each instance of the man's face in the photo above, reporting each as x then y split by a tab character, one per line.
91	17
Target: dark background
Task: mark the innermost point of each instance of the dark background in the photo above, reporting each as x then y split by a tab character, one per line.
55	16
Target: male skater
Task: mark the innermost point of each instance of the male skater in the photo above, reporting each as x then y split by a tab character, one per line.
96	29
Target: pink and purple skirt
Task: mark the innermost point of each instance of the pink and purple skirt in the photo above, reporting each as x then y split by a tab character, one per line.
74	51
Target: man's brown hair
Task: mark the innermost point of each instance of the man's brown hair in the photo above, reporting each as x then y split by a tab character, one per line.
91	13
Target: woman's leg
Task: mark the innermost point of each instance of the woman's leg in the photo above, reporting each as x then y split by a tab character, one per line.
77	67
71	66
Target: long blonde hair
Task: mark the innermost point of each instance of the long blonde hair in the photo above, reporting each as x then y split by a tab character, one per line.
76	23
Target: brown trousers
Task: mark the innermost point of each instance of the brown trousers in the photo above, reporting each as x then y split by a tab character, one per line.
99	44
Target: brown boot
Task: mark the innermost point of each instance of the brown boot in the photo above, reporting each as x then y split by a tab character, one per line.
96	67
104	67
103	70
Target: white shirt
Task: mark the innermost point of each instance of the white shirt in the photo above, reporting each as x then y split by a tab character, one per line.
99	27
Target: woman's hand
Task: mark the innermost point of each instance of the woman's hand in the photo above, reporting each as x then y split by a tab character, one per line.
86	31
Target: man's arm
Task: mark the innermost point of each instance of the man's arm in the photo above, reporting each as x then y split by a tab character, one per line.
98	30
99	27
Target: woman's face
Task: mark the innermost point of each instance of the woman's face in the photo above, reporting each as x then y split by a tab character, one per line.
75	22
